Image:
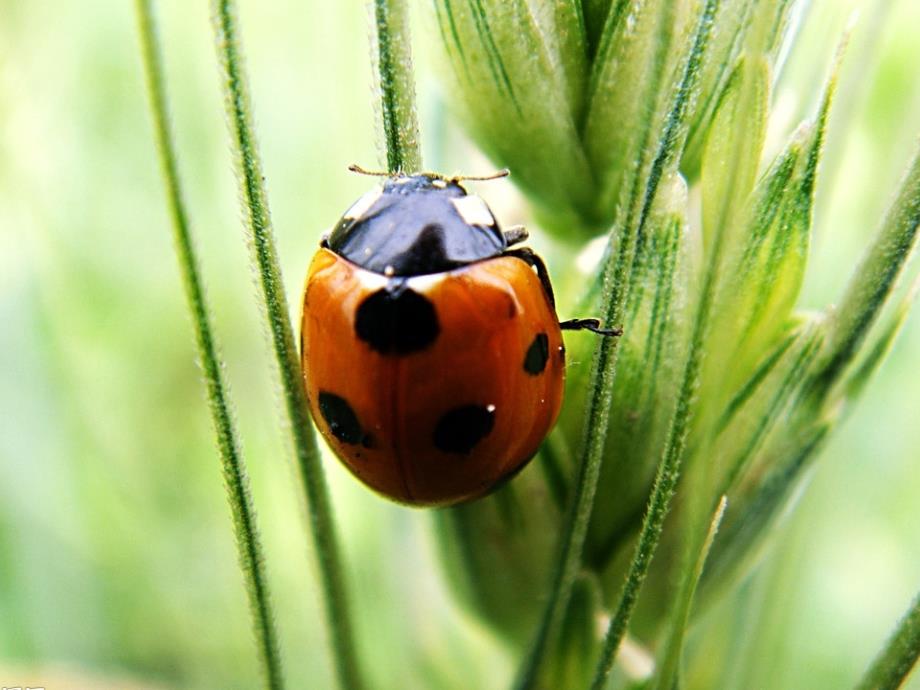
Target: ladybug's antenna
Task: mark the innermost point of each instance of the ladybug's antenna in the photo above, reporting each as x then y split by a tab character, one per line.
497	175
355	168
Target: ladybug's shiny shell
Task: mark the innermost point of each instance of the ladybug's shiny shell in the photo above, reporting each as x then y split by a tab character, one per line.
433	360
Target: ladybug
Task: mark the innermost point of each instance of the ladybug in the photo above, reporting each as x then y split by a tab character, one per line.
432	355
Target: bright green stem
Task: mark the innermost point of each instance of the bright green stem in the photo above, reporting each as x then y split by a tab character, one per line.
669	467
876	276
896	660
397	86
616	276
234	471
666	676
255	207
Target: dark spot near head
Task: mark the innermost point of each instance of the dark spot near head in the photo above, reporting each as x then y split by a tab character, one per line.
396	320
342	420
537	354
460	429
427	250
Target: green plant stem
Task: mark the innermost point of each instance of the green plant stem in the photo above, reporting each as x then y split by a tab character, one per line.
233	467
875	279
666	676
255	207
617	271
896	660
669	467
397	86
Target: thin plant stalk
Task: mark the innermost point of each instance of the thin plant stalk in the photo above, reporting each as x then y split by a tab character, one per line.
669	468
575	526
249	546
667	674
899	656
397	86
272	295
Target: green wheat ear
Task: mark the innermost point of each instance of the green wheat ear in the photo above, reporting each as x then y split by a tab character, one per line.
615	117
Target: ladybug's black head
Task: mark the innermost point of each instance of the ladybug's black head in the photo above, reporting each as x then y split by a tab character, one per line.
417	224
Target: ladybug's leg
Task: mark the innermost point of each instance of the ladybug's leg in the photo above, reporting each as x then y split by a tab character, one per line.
515	234
529	256
593	325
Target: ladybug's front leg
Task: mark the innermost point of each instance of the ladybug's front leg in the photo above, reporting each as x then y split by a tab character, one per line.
593	325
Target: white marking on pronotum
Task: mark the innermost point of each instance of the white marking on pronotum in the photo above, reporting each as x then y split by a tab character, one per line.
439	183
362	205
473	210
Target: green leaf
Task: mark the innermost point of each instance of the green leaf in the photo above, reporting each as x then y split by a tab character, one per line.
518	74
616	290
732	24
570	664
865	368
733	149
744	531
874	279
645	390
667	674
765	439
769	249
771	262
766	407
595	14
632	86
491	550
753	26
898	657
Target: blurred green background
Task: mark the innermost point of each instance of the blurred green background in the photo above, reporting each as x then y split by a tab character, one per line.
116	556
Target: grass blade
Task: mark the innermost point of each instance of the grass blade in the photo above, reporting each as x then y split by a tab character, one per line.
645	390
741	537
397	86
666	676
669	467
875	278
265	258
863	371
898	657
617	271
518	78
766	415
248	544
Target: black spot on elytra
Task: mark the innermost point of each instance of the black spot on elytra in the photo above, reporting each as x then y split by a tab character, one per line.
537	355
342	420
460	429
396	320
